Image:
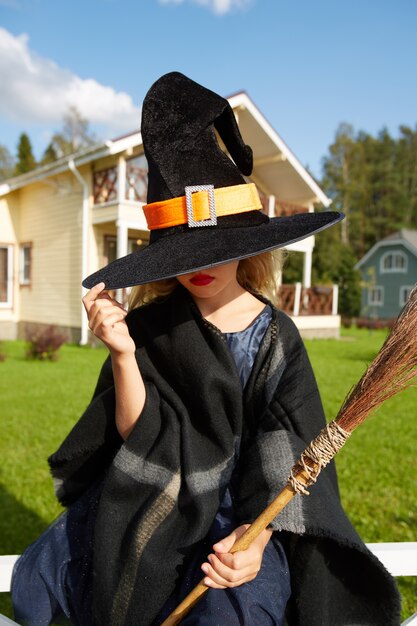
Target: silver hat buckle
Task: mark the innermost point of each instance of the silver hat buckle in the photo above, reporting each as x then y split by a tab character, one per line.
212	220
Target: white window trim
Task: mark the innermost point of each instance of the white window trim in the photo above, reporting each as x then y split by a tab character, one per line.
9	302
382	291
393	270
403	288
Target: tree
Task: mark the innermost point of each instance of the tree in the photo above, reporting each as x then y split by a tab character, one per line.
293	267
382	203
373	180
49	155
74	136
25	159
349	281
334	262
406	165
339	177
6	163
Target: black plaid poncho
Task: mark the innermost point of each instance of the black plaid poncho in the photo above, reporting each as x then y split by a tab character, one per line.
163	486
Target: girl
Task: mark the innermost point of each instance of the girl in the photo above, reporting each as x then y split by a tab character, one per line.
204	404
242	318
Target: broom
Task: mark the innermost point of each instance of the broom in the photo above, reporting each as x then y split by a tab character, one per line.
393	369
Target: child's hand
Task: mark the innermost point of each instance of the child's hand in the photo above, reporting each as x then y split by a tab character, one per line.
106	318
231	570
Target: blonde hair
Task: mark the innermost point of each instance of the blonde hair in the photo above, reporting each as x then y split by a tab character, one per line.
258	274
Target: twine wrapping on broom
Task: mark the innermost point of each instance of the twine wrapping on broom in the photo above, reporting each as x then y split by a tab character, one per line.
317	455
393	370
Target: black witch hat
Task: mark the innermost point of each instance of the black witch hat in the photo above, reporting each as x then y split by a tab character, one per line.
201	211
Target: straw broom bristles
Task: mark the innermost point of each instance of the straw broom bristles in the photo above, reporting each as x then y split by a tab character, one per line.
393	370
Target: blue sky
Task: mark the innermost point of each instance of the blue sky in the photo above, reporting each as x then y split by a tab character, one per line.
308	65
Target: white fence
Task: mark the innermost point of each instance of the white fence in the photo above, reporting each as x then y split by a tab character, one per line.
400	559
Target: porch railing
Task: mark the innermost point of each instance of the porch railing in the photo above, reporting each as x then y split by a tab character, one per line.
132	180
318	300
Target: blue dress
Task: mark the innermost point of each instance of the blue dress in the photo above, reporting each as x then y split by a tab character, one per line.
52	579
262	601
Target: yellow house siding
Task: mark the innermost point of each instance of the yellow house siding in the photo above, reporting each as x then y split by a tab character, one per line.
9	218
51	220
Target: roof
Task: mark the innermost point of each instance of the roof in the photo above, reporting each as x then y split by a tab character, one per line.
280	172
271	151
408	235
92	153
404	236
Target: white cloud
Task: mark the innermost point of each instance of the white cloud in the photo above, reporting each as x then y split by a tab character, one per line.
219	7
36	90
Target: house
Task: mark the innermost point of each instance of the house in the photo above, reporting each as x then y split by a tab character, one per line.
389	272
61	222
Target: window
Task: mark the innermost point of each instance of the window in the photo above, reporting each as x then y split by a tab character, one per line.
6	275
110	247
376	296
137	178
25	273
405	291
395	261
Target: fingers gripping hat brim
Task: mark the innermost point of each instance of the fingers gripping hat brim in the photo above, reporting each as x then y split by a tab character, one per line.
202	248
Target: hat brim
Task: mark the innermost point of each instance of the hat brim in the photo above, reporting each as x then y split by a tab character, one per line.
204	247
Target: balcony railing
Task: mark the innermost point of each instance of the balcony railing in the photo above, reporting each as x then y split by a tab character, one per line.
136	180
280	208
133	183
318	300
105	185
288	208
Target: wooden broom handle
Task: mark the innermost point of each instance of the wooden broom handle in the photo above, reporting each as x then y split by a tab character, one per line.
243	543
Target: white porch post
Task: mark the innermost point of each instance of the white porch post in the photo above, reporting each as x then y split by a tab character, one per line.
308	261
121	180
84	245
121	238
297	299
271	206
121	250
335	301
308	256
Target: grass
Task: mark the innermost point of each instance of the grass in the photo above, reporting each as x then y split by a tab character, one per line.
377	468
39	402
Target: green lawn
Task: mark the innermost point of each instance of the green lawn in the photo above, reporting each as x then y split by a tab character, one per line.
39	402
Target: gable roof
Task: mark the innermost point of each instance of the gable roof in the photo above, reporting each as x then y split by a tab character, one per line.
269	149
404	237
408	235
275	165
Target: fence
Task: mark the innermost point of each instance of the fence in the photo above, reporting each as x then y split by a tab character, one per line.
400	559
318	300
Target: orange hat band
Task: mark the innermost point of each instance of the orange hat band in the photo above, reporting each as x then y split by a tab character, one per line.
203	206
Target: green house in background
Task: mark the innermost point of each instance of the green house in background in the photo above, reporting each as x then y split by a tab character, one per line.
389	272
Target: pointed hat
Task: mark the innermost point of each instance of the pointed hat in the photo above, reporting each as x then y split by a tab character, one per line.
200	209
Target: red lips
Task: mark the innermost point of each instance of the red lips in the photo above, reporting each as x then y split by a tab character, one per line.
201	279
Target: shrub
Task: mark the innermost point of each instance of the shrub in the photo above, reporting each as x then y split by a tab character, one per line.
373	324
346	322
44	344
3	355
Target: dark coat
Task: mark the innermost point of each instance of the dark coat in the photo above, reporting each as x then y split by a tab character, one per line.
163	486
